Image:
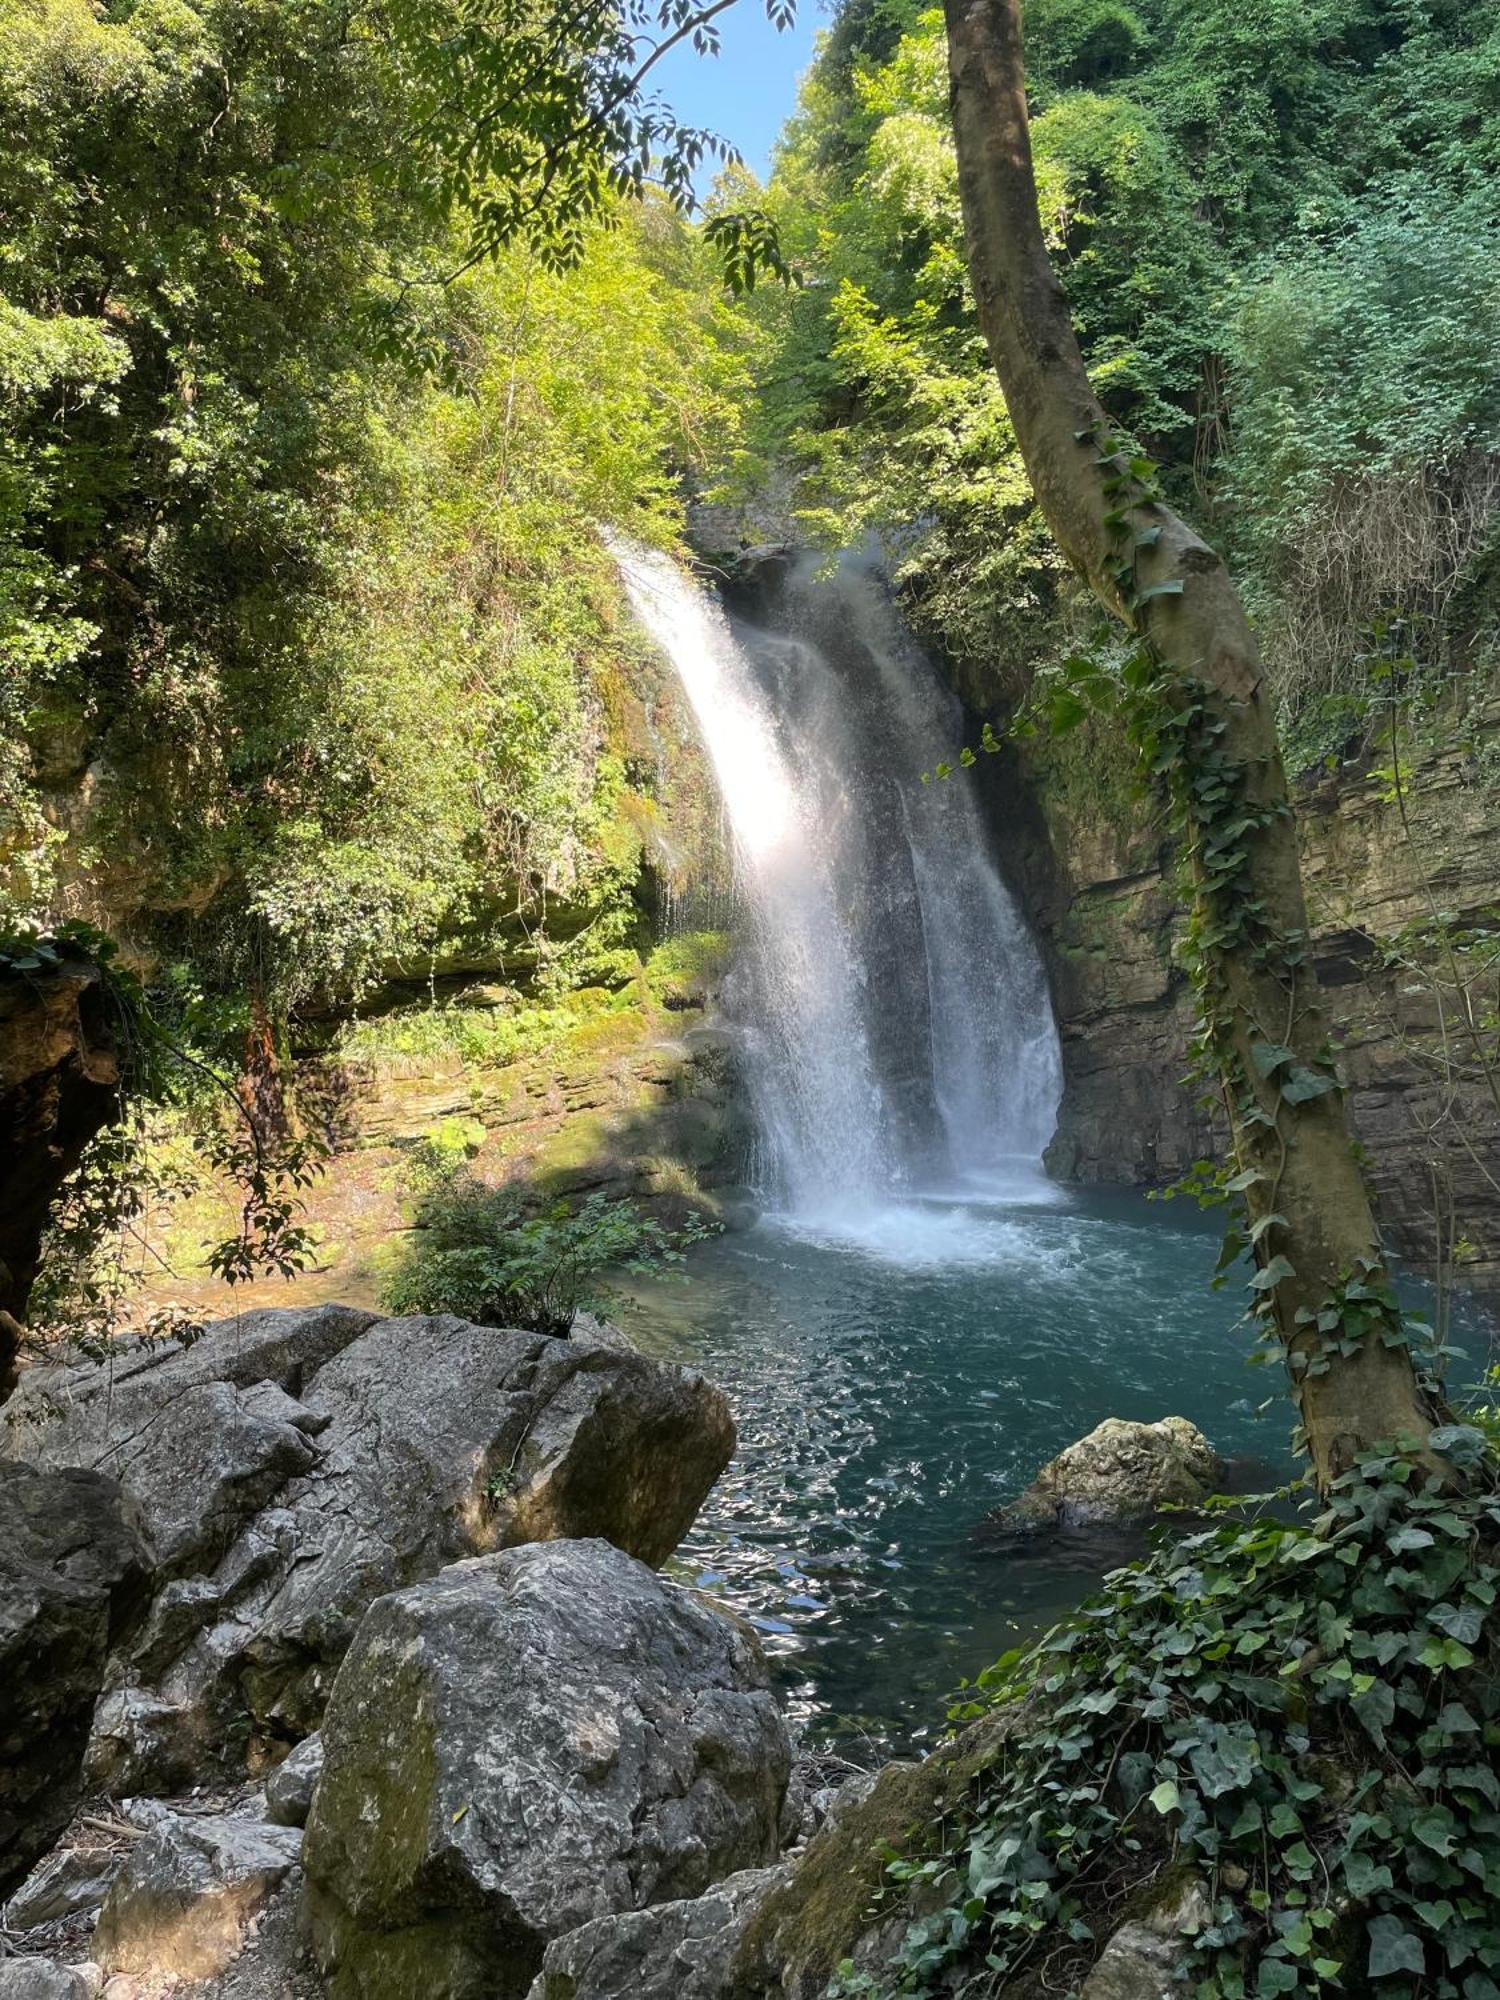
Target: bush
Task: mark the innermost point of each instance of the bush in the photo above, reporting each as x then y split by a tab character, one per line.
477	1255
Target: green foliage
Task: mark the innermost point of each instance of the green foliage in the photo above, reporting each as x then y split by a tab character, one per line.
1304	1714
476	1253
1276	225
304	613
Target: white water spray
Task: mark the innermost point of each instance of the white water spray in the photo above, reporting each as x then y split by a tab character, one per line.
899	1036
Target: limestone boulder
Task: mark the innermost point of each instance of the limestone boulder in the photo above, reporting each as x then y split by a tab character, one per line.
1121	1473
74	1570
290	1787
1145	1958
188	1892
295	1465
42	1979
70	1882
525	1743
674	1951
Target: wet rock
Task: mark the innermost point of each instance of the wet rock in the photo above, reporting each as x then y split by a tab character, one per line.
71	1880
528	1742
187	1893
73	1574
295	1465
1120	1473
674	1951
289	1789
42	1979
1141	1960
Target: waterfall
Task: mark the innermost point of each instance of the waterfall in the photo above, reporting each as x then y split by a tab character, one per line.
899	1036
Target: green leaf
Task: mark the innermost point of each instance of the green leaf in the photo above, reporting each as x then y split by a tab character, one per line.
1272	1274
1303	1084
1394	1949
1269	1057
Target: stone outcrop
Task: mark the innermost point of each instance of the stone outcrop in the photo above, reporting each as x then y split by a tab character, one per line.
292	1466
1143	1960
186	1895
73	1572
1121	1473
521	1745
58	1084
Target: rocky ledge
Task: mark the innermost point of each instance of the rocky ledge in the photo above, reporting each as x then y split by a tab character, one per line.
292	1466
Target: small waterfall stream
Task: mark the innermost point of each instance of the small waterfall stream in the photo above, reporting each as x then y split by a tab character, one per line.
899	1034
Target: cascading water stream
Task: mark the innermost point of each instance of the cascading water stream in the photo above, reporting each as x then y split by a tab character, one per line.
900	1041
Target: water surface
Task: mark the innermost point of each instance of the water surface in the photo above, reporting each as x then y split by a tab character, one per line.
894	1380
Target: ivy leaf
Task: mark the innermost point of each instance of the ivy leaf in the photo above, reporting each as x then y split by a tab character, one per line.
1271	1275
1435	1829
1303	1084
1463	1622
1393	1949
1376	1709
1269	1057
1364	1876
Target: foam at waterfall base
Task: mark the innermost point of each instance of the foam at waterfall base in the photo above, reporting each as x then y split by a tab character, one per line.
982	1223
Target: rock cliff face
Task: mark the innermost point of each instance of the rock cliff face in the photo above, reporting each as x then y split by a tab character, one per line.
1384	873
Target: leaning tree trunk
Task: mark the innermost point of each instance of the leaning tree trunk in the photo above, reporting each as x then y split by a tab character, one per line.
1204	712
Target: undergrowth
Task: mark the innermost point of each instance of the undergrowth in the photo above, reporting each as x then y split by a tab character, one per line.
1302	1715
475	1252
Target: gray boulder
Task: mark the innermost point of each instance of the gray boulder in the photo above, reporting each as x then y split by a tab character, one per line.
188	1892
1144	1958
674	1951
71	1881
525	1743
42	1979
290	1787
73	1573
295	1465
1121	1473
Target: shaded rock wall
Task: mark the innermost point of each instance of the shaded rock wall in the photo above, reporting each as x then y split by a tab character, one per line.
58	1084
1107	907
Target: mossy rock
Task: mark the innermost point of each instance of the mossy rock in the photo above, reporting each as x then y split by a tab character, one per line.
827	1909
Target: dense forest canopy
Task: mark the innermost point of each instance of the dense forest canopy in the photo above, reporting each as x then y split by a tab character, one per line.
1276	225
312	646
271	492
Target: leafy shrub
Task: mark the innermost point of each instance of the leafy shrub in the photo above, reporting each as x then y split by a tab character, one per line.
476	1254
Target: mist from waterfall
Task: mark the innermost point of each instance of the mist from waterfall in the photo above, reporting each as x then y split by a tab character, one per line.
899	1037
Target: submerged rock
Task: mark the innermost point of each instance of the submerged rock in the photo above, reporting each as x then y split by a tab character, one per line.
295	1465
1121	1473
73	1571
183	1901
528	1742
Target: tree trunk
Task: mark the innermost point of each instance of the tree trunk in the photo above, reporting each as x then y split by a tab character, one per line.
1353	1378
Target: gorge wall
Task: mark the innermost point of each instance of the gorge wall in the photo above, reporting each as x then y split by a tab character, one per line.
1383	874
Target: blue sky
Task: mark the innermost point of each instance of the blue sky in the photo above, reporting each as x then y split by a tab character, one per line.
749	89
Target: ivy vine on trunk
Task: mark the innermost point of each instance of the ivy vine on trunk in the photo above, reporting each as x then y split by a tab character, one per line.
1204	725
